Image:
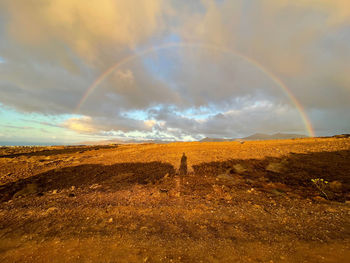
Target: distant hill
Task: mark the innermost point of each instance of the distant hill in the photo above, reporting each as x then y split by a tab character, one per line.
276	136
254	137
116	141
258	137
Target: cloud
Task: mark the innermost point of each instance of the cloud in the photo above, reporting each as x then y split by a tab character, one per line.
303	43
103	125
86	28
54	50
82	125
250	116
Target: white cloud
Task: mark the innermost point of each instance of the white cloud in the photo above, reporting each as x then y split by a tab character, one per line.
82	124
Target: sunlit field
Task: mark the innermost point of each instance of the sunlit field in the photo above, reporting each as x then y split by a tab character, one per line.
128	203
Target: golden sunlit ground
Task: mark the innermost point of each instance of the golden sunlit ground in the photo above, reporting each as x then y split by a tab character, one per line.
250	202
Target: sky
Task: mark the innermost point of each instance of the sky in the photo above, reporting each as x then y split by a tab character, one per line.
73	71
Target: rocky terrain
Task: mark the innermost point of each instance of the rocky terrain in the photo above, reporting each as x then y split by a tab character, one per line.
251	202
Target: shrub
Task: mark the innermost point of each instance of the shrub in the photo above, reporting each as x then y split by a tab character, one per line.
321	185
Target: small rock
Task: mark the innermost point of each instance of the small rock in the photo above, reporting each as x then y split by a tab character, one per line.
251	190
336	186
225	178
54	191
110	220
95	186
275	167
239	168
72	188
276	192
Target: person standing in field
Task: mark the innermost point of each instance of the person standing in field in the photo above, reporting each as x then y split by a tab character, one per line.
183	165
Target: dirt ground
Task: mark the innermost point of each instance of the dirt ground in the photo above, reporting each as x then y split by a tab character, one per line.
250	202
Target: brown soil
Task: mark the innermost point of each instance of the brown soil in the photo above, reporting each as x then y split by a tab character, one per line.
251	202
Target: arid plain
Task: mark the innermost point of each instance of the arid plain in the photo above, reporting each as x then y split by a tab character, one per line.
239	202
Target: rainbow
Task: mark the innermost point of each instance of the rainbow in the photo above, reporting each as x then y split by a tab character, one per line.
276	80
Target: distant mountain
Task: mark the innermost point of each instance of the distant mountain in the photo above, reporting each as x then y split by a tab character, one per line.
207	139
258	137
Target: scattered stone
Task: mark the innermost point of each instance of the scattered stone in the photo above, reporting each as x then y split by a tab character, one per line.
336	186
72	188
95	186
275	167
251	190
110	220
224	177
54	191
276	192
239	168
